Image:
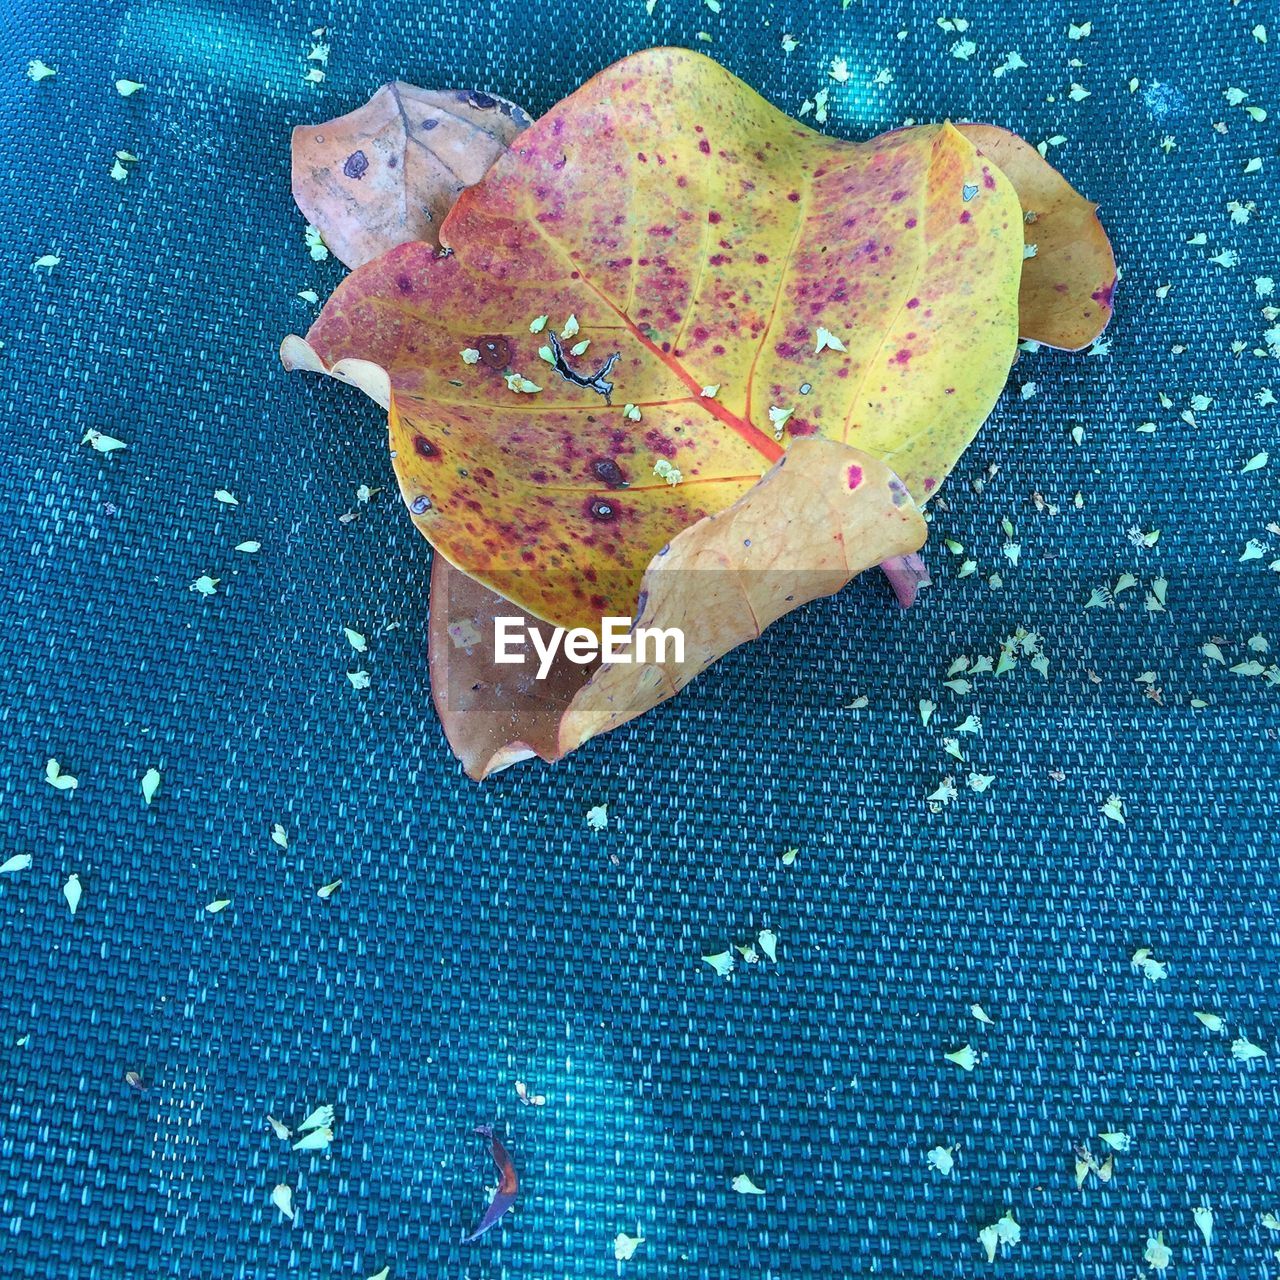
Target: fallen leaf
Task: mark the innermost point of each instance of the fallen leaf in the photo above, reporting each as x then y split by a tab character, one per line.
389	171
1066	294
721	582
531	498
508	1185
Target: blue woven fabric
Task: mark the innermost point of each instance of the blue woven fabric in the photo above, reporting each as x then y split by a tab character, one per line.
483	933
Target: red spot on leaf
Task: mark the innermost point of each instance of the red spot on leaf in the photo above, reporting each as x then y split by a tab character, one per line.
705	147
855	476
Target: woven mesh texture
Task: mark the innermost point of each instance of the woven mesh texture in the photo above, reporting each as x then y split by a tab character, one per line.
482	933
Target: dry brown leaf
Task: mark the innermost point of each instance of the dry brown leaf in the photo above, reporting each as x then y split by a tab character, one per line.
723	581
1067	287
390	170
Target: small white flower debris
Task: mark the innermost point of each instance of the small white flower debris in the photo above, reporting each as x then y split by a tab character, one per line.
118	172
315	243
1113	809
280	1129
72	892
945	792
745	1187
789	856
624	1246
519	383
279	836
326	891
282	1198
1256	463
1080	32
927	709
381	1275
580	348
226	497
314	76
779	416
980	781
217	906
1243	1050
38	70
537	324
826	339
1203	1218
598	817
722	962
1210	1020
1006	1231
359	679
631	412
316	1140
1270	1221
356	640
1157	1254
710	391
1117	1141
103	443
1152	969
942	1159
768	942
789	42
48	261
18	862
127	88
205	585
963	50
665	471
150	784
529	1099
965	1058
545	353
470	355
249	548
60	781
320	1118
981	1014
570	329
